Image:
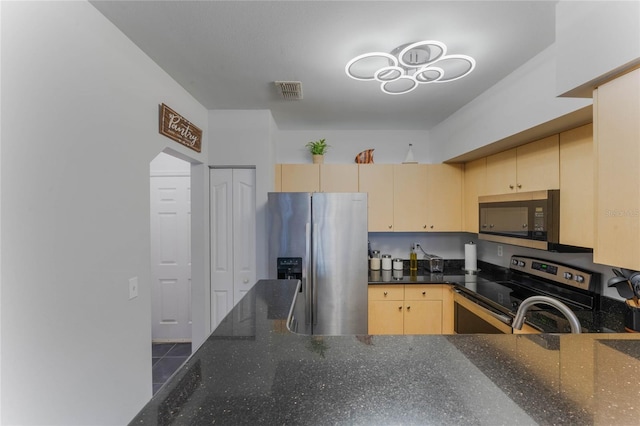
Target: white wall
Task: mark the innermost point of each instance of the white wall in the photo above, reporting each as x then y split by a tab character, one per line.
80	126
390	146
524	99
245	138
595	39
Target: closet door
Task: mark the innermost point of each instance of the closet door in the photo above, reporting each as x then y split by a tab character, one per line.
233	241
244	232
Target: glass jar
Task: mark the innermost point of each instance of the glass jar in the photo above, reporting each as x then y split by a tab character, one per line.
374	262
386	262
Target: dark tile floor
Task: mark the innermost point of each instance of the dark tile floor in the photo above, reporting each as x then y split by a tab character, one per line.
167	358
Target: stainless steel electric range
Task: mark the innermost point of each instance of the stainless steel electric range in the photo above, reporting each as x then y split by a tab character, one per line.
494	302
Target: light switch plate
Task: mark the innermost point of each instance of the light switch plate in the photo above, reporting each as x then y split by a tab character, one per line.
133	288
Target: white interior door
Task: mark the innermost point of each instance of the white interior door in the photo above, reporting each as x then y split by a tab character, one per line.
233	245
171	258
244	232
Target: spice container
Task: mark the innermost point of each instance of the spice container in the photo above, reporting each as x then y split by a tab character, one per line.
374	262
397	264
386	262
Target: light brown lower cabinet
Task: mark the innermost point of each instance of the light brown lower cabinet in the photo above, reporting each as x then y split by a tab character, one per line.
410	309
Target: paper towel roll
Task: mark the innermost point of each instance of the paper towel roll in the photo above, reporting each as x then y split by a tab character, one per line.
470	257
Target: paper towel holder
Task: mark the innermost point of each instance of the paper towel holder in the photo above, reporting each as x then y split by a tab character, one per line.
470	271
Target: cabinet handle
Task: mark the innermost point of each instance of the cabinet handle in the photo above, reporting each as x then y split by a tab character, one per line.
510	186
524	226
408	307
431	226
424	226
385	293
519	185
390	226
424	293
399	308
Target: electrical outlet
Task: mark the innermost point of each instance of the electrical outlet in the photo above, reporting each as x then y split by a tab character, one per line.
133	288
499	251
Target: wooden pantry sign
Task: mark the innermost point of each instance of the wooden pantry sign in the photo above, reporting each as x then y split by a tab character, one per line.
178	128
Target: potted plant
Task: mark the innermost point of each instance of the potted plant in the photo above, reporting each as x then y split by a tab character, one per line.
317	150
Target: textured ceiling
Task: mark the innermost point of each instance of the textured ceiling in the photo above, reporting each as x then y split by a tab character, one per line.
228	54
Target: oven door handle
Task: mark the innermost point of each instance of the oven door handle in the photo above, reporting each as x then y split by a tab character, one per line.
500	317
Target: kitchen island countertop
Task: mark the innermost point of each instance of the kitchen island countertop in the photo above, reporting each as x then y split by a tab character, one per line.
252	370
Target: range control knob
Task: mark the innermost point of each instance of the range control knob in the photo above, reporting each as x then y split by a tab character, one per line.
521	263
568	275
579	278
514	261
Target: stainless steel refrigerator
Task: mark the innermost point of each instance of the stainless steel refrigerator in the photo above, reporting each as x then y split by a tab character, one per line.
321	238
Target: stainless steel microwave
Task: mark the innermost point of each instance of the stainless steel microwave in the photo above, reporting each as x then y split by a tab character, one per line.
527	219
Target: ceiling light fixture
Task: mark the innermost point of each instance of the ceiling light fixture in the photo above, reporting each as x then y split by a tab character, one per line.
409	65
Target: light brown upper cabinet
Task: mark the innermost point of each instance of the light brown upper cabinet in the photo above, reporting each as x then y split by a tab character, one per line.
338	178
316	178
616	115
475	175
410	197
530	167
300	177
377	181
444	192
576	186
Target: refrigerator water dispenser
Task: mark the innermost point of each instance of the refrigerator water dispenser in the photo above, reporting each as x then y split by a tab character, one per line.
289	268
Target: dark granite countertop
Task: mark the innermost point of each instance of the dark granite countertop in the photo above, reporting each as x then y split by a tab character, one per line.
609	318
252	370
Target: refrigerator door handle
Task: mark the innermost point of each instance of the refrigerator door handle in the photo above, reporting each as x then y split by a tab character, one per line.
314	274
309	278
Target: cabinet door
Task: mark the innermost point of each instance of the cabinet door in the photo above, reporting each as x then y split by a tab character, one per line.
410	197
475	175
377	181
447	310
576	186
386	309
386	317
300	177
339	177
444	211
617	191
423	317
423	308
538	165
501	173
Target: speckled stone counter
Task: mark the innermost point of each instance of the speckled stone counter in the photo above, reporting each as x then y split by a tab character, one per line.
252	370
608	319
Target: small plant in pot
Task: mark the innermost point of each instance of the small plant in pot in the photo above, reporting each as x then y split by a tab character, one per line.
317	150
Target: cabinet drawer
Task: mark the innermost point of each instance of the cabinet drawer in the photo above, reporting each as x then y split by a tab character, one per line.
386	292
423	292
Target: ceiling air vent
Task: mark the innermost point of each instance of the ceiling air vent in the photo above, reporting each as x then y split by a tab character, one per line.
290	89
